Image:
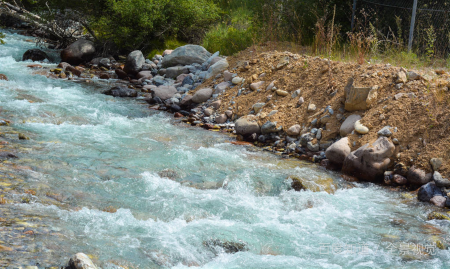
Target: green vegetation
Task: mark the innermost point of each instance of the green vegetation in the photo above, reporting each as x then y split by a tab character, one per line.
2	35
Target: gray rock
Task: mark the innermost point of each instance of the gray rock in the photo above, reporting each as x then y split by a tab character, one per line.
436	163
369	162
202	95
35	55
121	91
222	118
319	134
440	181
305	138
164	92
313	147
222	87
294	130
186	55
349	125
337	152
385	131
188	80
158	80
217	68
247	125
412	75
439	201
417	176
175	71
134	62
78	52
81	261
269	127
428	191
144	75
258	106
296	93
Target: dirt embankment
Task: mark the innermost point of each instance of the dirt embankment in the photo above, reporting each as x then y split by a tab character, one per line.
418	108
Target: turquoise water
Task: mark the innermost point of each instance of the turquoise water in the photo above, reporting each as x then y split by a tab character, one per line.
95	163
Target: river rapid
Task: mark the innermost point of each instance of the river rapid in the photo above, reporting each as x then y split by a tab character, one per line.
133	188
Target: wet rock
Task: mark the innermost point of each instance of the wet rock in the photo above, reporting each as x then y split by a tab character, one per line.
186	55
349	125
3	77
417	176
337	152
121	74
168	173
7	155
269	127
361	129
121	91
440	181
436	163
294	130
81	261
428	191
369	162
36	55
218	246
164	92
257	85
385	131
314	184
79	52
144	75
222	118
134	62
202	95
247	125
438	201
438	216
399	180
23	137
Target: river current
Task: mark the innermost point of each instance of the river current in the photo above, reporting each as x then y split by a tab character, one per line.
132	187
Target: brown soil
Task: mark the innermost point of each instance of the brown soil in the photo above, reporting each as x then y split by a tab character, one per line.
423	122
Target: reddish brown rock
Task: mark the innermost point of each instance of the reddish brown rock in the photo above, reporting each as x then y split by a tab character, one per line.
121	74
3	77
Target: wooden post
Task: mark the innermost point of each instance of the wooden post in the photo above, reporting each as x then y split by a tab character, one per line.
411	29
353	14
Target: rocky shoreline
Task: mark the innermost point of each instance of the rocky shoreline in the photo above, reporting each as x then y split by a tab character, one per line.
204	90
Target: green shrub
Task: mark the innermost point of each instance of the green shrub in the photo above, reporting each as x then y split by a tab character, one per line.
2	35
160	47
233	35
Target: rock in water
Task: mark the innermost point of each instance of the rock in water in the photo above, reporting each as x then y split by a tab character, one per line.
247	125
134	62
3	77
120	91
428	191
78	52
369	162
35	55
202	95
186	55
337	152
81	261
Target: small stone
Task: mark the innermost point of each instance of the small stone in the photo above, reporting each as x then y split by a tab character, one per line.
229	113
311	107
237	80
227	76
222	118
282	93
440	181
412	75
270	86
385	131
438	201
23	137
296	93
399	180
208	112
436	163
300	101
255	86
216	104
401	77
258	106
361	129
428	191
294	130
313	147
395	141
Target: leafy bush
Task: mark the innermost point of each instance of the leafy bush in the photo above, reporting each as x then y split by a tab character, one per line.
233	35
160	47
2	35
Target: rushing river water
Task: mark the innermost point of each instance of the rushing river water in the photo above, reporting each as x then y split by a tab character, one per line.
131	187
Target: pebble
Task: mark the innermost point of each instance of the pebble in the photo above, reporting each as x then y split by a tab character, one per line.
311	107
282	93
361	129
296	93
301	101
385	131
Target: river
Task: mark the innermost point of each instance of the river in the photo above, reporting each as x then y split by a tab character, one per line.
132	187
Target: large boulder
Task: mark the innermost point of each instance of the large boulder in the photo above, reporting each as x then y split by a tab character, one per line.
186	55
337	152
81	261
35	55
417	177
349	125
79	52
134	62
247	125
369	162
120	91
202	95
164	92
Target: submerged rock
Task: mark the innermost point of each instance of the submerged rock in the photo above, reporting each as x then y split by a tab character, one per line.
35	55
120	91
217	246
81	261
